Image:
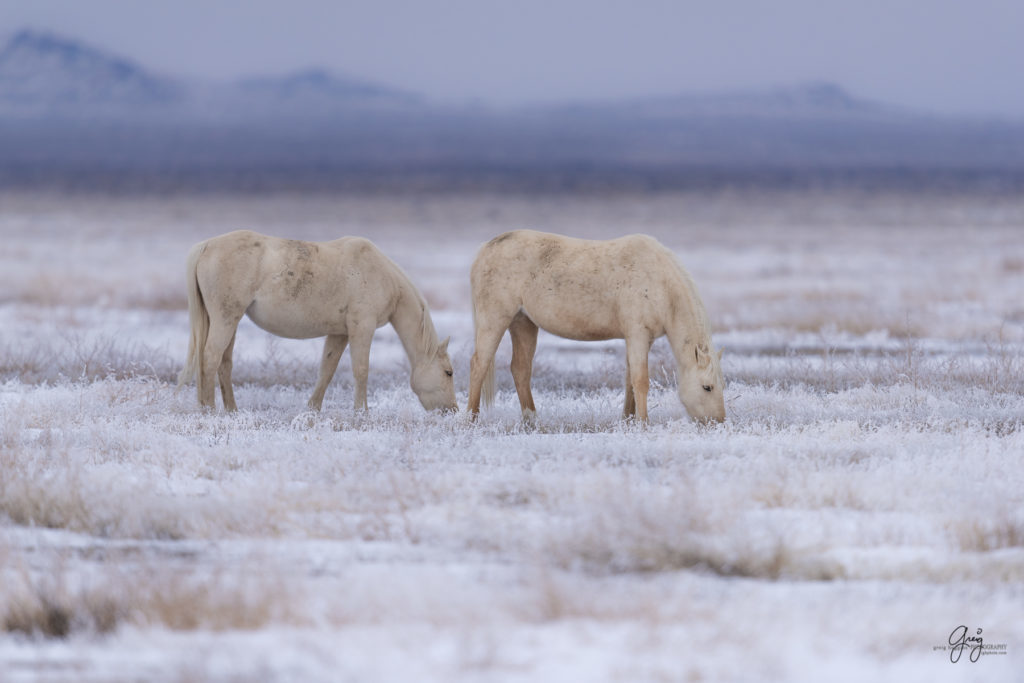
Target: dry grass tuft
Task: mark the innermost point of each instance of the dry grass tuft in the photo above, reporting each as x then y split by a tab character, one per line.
63	493
683	530
57	616
50	608
80	358
986	535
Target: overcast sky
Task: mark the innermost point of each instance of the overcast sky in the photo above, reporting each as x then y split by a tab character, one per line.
952	56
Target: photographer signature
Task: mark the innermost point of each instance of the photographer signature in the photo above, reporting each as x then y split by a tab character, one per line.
959	641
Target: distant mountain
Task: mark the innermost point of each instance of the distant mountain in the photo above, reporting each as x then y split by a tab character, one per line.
308	94
319	83
42	72
74	114
810	100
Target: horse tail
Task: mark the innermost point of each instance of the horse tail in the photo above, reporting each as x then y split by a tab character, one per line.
487	390
198	317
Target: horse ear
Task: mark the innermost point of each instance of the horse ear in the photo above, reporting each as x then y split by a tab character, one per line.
720	355
443	346
701	356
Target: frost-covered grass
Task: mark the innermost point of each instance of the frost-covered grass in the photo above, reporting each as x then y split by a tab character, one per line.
864	497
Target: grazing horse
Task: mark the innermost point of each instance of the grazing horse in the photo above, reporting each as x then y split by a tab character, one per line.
629	288
344	290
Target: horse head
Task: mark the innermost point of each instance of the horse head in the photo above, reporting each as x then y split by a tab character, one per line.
432	380
701	385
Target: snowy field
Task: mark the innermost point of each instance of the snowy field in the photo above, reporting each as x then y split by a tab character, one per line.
864	498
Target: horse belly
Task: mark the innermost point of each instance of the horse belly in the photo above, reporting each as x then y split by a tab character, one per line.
293	322
570	323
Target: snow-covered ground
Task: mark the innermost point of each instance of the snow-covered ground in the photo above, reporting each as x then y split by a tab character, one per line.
864	498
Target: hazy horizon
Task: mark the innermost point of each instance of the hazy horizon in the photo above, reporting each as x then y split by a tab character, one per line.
941	57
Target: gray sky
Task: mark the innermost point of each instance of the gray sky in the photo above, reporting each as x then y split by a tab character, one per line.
943	55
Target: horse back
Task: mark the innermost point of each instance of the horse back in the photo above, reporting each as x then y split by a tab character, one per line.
529	256
248	256
295	288
575	288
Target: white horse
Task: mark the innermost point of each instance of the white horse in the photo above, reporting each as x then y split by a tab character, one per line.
344	289
629	288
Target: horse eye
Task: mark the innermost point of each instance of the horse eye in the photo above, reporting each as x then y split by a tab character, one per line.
448	372
708	388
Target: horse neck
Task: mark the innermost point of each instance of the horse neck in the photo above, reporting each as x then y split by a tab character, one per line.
412	323
688	327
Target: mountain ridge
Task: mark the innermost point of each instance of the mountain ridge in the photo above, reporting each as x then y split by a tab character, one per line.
41	70
45	73
70	110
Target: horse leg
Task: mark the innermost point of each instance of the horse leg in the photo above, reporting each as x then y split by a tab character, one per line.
629	409
638	346
488	336
359	342
524	344
224	374
334	346
221	334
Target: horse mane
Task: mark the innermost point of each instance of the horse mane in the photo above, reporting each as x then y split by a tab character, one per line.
427	340
698	314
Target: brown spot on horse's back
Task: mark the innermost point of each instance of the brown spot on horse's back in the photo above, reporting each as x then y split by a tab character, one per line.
549	252
256	244
300	249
